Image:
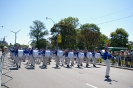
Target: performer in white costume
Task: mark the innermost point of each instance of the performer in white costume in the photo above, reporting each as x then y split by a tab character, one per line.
89	56
81	57
60	56
19	54
94	59
57	58
47	56
71	57
32	55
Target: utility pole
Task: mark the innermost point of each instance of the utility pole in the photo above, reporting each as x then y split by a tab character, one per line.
1	26
15	34
57	33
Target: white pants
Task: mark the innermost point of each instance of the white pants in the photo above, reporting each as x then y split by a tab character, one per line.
68	60
39	59
45	61
87	60
18	60
63	60
94	60
107	61
14	58
72	60
32	60
79	61
57	60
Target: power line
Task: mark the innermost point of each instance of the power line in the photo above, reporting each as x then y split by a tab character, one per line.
116	19
111	13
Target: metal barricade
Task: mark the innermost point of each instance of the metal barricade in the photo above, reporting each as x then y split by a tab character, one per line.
2	57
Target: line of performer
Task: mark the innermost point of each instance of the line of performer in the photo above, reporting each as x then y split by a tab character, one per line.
61	57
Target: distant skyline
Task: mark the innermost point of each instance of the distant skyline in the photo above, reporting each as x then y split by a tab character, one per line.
20	14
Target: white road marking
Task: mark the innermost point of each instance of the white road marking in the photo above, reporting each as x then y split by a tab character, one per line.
90	85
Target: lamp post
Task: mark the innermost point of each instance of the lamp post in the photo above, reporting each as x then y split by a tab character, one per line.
1	26
15	34
57	32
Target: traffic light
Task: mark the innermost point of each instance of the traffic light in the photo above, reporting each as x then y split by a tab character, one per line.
59	38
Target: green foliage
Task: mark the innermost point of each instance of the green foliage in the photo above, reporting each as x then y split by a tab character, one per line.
24	46
90	35
38	31
67	28
119	38
104	40
43	43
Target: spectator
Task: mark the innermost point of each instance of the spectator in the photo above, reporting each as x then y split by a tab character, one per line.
126	58
113	57
122	58
131	59
118	57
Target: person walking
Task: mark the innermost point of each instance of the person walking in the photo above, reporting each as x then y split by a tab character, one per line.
107	56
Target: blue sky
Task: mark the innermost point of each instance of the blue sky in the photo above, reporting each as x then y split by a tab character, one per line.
20	14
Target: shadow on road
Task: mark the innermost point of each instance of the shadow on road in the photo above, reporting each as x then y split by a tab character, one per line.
10	78
29	68
56	67
42	67
110	80
14	68
4	86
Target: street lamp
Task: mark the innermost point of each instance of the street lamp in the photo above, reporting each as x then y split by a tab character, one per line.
1	26
55	27
15	34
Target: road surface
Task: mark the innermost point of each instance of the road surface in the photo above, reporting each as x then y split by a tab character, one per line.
63	77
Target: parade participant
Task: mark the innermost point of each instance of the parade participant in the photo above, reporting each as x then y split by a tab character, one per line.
25	54
28	57
99	60
56	57
94	59
81	57
66	57
43	53
70	58
107	56
60	56
89	56
63	58
47	56
19	54
39	59
32	60
77	58
12	53
86	58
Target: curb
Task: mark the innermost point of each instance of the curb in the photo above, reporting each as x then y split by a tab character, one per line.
128	68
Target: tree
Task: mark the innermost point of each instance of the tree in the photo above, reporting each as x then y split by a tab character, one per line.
119	38
104	40
38	31
24	46
67	28
43	43
90	35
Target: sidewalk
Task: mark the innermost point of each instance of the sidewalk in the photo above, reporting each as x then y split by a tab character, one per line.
115	66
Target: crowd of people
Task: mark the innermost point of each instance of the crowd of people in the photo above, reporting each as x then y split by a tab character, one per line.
69	57
123	58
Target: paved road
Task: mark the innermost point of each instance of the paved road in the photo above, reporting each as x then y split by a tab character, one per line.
62	77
